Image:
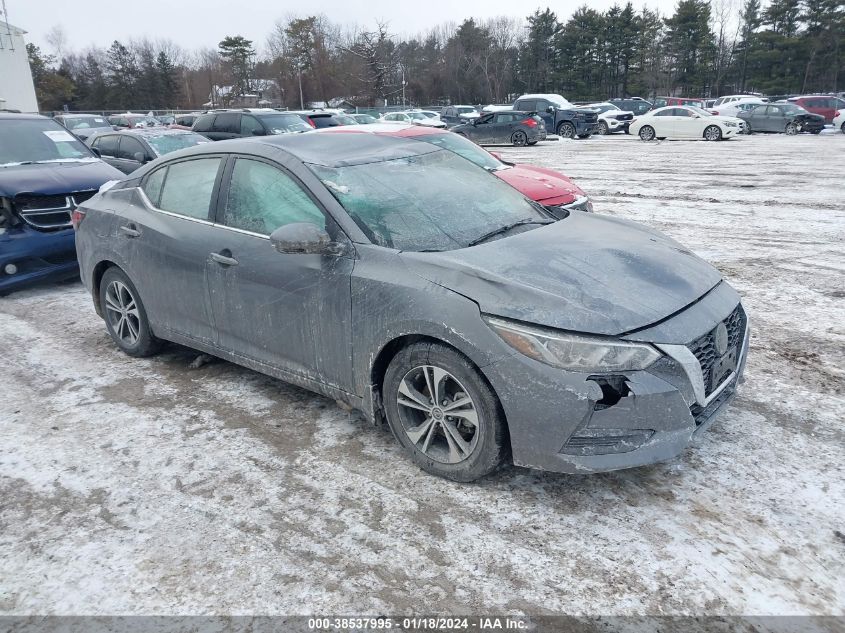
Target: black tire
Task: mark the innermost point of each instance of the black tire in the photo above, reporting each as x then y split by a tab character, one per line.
816	131
713	133
602	129
532	142
748	129
584	135
145	344
519	138
566	130
488	441
647	133
842	128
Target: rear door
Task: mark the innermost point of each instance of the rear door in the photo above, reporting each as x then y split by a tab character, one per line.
250	126
165	236
290	311
503	126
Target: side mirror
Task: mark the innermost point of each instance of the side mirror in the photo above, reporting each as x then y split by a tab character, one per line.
139	157
96	151
550	109
304	238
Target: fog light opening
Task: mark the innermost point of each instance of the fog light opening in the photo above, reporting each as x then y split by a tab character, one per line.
10	269
613	389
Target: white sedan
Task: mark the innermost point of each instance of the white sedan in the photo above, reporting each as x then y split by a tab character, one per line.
685	122
839	120
732	108
413	118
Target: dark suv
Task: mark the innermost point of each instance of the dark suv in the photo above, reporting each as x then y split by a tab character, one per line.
636	105
226	124
560	116
45	172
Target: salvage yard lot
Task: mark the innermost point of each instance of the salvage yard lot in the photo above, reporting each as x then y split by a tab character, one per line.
146	486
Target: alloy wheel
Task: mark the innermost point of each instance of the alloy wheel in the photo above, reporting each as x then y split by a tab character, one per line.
713	133
566	130
519	138
791	129
437	414
647	133
602	128
122	313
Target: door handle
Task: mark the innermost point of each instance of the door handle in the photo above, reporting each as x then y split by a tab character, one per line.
224	259
130	231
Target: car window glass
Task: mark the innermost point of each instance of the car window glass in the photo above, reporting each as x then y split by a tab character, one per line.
188	187
152	185
485	119
774	110
129	147
262	198
529	105
108	145
504	118
228	123
203	124
250	125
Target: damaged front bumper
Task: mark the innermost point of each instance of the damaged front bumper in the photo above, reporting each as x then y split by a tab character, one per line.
29	256
581	423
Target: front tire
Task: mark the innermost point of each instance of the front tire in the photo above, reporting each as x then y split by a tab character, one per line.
566	130
444	413
125	316
713	133
603	128
647	133
842	128
791	129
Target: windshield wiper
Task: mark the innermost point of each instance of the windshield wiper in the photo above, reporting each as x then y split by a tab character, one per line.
25	162
506	228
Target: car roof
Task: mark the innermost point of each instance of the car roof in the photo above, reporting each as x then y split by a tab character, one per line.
149	132
327	150
20	115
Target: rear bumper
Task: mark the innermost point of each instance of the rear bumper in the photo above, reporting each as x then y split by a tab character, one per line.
38	257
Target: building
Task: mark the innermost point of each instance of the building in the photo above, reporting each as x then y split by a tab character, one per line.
17	92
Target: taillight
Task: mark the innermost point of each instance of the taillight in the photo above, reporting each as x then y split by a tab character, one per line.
714	112
76	218
530	122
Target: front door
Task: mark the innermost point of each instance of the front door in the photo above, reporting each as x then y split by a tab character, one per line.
482	129
290	311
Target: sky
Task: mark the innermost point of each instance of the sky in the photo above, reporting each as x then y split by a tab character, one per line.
203	23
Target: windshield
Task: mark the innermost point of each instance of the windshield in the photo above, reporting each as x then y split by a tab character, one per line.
364	118
283	123
167	143
394	203
417	116
345	119
699	111
465	109
791	108
462	147
429	115
39	140
85	122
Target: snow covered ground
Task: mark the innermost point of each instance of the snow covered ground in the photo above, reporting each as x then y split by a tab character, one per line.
143	486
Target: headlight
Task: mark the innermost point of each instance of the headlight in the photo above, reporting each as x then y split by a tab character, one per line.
730	124
574	352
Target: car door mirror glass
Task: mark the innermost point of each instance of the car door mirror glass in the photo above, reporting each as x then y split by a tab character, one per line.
303	238
139	157
550	109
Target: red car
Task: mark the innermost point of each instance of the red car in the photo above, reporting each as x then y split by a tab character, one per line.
662	102
820	104
550	188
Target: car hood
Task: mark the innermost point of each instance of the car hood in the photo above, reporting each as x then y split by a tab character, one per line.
615	114
540	184
56	178
586	273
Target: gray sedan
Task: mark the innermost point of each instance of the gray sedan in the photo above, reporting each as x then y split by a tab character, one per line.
406	281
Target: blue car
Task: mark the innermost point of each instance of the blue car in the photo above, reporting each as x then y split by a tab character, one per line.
45	172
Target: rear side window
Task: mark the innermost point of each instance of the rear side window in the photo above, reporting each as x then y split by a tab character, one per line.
152	185
529	105
204	123
107	145
188	187
327	121
229	123
262	198
505	118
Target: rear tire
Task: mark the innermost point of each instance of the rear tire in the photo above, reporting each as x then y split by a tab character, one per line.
647	133
461	443
519	138
125	316
566	130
